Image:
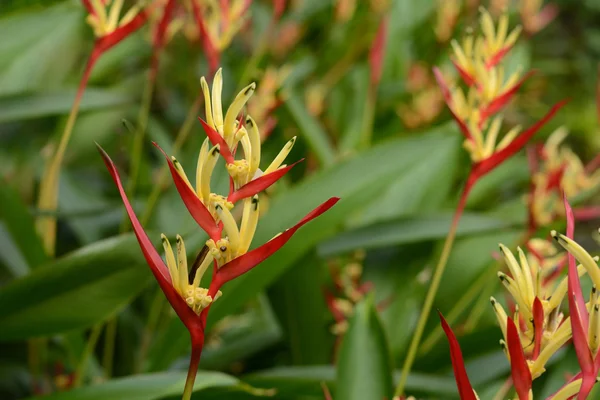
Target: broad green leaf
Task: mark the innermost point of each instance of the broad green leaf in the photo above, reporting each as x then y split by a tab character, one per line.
408	230
364	365
145	387
74	292
19	223
297	298
28	106
356	181
306	381
312	131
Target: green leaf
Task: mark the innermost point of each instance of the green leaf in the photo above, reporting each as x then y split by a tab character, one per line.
364	366
19	222
408	230
20	107
145	387
298	300
74	292
311	129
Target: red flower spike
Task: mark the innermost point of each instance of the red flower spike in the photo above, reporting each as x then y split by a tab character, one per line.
501	100
158	41
538	326
154	260
212	54
465	390
216	139
520	373
448	98
259	184
483	167
246	262
579	316
376	55
338	315
464	75
196	208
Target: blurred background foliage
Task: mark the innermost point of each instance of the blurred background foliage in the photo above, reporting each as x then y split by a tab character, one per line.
92	324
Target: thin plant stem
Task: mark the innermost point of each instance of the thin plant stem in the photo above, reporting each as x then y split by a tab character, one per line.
197	344
433	288
140	132
87	352
153	318
180	139
110	337
48	195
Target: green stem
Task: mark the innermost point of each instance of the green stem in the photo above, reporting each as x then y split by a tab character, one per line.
87	352
197	344
110	337
433	288
180	139
48	195
459	307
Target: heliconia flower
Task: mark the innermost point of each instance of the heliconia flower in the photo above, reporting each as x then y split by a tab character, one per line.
187	298
555	170
478	62
538	301
446	19
585	321
161	35
465	390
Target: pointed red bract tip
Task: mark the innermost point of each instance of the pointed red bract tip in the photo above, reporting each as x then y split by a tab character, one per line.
154	260
464	75
465	390
216	139
106	42
377	53
246	262
483	167
211	52
520	373
197	209
259	184
538	326
439	77
496	58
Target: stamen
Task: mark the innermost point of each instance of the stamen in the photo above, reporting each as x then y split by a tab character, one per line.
255	147
171	264
207	103
207	170
589	262
527	275
249	223
217	89
181	172
201	160
500	315
230	228
182	262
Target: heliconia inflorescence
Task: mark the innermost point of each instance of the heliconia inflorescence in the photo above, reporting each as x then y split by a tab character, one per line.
228	248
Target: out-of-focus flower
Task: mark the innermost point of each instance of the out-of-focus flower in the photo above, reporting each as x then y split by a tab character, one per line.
268	98
446	19
344	9
556	169
479	63
427	101
535	15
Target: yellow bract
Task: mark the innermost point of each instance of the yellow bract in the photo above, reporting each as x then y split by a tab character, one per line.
480	58
107	16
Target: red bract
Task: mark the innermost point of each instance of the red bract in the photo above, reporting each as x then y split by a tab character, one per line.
465	390
579	318
259	184
376	55
520	373
158	41
502	99
154	260
212	54
538	326
216	139
197	209
439	77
